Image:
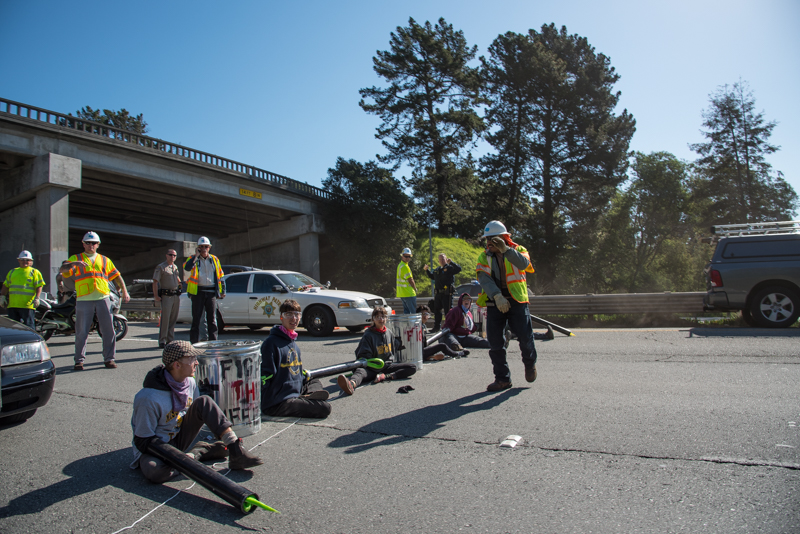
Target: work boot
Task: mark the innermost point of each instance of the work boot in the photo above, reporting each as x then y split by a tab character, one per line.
549	334
78	367
498	386
240	458
204	451
110	364
530	373
347	385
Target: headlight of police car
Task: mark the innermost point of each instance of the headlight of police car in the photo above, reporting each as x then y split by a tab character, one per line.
25	353
357	303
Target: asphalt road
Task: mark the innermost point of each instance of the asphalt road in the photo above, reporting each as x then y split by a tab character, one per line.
659	430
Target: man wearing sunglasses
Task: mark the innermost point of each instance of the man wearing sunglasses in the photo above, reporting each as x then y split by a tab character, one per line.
406	288
167	291
285	392
204	286
91	273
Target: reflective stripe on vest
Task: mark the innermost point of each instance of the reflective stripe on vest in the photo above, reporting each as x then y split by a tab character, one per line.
22	284
516	280
194	276
89	279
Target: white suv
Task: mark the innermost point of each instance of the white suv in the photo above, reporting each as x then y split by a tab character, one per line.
252	299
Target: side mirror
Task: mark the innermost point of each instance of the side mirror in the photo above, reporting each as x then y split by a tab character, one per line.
279	289
328	285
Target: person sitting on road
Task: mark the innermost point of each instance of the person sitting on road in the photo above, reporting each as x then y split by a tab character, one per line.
461	325
284	390
438	351
377	342
170	409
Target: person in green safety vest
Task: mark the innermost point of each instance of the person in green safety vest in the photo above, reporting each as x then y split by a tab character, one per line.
21	291
501	271
406	288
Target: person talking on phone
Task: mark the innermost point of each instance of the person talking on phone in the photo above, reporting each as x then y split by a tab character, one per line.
204	286
501	270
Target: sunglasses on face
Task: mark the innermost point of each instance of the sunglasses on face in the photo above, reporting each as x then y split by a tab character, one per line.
171	254
90	243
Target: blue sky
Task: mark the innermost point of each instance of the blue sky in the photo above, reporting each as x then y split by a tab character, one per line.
275	84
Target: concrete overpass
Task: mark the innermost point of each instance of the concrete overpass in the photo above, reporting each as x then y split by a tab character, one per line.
61	177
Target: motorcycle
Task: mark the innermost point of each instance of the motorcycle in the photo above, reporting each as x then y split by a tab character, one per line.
54	318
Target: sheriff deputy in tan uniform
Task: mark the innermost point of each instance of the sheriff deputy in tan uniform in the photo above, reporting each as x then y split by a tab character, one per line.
167	291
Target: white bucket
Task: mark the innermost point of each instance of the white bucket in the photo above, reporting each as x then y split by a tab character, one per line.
230	373
408	329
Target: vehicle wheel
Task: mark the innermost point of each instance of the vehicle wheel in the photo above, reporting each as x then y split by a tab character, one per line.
120	328
46	334
775	307
255	327
220	323
319	321
356	329
748	318
17	418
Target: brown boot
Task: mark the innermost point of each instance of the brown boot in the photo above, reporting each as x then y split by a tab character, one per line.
530	373
498	386
240	458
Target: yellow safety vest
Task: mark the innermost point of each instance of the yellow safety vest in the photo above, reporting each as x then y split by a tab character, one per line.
404	289
92	277
515	279
194	275
22	283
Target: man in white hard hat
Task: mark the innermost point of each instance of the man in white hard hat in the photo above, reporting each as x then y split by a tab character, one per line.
204	287
406	288
23	285
91	273
501	272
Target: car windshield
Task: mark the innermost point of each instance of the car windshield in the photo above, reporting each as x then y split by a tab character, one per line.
298	280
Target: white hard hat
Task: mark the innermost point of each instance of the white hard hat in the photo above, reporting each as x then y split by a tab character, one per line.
406	251
24	255
494	228
203	241
91	236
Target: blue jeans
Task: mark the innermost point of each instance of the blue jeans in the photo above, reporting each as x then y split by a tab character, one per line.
519	320
409	305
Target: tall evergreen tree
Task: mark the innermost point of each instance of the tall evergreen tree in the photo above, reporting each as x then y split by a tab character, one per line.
369	218
428	113
553	106
736	181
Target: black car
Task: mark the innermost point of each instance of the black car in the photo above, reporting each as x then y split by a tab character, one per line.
28	374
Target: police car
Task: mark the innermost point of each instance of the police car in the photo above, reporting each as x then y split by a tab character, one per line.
253	298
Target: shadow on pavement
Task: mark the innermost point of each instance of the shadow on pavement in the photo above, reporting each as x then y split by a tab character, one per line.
94	473
418	423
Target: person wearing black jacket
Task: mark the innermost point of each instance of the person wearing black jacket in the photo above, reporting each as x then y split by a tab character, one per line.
284	390
444	279
377	342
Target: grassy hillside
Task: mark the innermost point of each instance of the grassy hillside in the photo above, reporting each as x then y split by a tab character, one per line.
457	250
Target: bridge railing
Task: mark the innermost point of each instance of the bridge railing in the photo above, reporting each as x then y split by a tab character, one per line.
74	123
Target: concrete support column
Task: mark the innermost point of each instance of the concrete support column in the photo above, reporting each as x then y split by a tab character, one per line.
34	212
309	255
52	233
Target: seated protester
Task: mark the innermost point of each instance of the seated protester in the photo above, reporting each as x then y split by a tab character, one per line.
170	409
376	343
284	390
437	351
461	325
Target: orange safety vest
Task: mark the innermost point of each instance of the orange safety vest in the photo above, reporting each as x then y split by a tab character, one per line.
515	279
194	276
94	277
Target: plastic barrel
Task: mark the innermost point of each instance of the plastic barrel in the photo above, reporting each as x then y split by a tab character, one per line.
408	330
230	373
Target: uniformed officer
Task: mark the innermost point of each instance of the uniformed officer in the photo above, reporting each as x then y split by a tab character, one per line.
444	279
167	291
23	285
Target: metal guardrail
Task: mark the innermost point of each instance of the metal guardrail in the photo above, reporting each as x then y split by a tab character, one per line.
67	121
603	304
